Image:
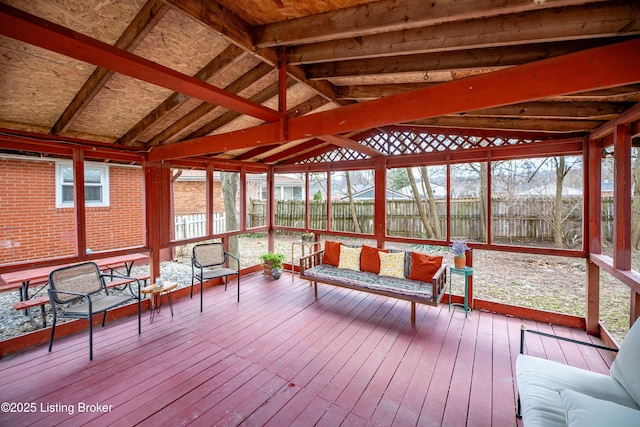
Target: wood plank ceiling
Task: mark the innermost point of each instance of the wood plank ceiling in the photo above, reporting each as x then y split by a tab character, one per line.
150	74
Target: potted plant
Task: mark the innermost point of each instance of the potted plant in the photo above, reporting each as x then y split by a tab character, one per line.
459	249
272	264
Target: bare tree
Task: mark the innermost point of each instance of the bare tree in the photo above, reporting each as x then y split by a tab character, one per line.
230	196
418	201
352	205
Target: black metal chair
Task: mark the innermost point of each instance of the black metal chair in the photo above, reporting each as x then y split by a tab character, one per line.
78	292
210	261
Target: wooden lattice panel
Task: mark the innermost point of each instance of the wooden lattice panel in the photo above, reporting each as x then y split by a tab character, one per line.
406	142
337	155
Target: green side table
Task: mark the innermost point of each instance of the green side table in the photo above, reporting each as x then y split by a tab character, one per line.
466	272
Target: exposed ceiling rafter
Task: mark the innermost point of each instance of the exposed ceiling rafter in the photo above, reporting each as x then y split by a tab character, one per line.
30	29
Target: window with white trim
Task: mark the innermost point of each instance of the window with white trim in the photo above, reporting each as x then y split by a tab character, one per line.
96	184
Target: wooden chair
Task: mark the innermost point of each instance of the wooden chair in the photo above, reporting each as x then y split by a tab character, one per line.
210	261
79	291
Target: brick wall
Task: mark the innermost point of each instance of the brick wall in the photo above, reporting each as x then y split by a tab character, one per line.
33	228
190	197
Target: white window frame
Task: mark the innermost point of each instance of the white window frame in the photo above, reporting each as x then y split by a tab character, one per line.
104	184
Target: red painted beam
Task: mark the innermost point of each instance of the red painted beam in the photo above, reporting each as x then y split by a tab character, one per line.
27	28
602	67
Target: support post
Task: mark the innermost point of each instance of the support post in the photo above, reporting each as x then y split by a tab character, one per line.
79	203
380	211
592	229
622	198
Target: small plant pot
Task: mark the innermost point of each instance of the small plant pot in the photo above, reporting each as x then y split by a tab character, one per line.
459	261
276	273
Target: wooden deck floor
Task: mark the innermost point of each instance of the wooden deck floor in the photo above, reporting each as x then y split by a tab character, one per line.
281	358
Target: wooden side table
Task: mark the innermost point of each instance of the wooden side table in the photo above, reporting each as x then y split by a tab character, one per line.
303	244
466	272
155	296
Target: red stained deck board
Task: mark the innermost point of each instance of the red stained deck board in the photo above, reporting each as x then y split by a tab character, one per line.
503	385
413	402
366	339
333	416
281	357
283	346
388	406
480	407
457	404
252	401
435	401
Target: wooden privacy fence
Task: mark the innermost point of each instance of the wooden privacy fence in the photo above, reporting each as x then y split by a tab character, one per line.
513	219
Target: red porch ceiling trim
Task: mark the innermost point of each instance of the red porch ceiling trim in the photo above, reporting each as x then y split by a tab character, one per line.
597	68
27	28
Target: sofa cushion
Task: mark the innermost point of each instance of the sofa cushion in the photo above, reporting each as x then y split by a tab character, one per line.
539	381
370	260
331	253
392	264
586	411
424	267
626	367
350	258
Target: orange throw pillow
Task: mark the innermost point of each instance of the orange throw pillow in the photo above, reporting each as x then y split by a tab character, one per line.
424	266
331	253
370	260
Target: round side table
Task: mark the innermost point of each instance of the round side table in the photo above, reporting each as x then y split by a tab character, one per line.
155	295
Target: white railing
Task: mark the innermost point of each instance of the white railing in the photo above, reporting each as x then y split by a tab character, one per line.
195	225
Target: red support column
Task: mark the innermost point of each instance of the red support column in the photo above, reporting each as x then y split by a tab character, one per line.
469	263
380	210
79	203
270	210
592	232
243	199
209	208
153	206
622	198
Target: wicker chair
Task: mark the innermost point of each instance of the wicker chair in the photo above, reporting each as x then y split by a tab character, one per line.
210	261
79	292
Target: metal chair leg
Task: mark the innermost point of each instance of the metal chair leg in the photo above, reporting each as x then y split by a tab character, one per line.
53	329
90	337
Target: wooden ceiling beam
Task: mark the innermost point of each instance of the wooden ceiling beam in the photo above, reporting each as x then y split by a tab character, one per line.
27	28
318	151
223	61
297	149
295	111
140	26
605	19
602	67
262	96
365	92
567	110
237	31
512	123
241	83
592	69
389	15
455	60
344	142
307	106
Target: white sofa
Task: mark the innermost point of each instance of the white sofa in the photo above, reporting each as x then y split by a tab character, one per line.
554	394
